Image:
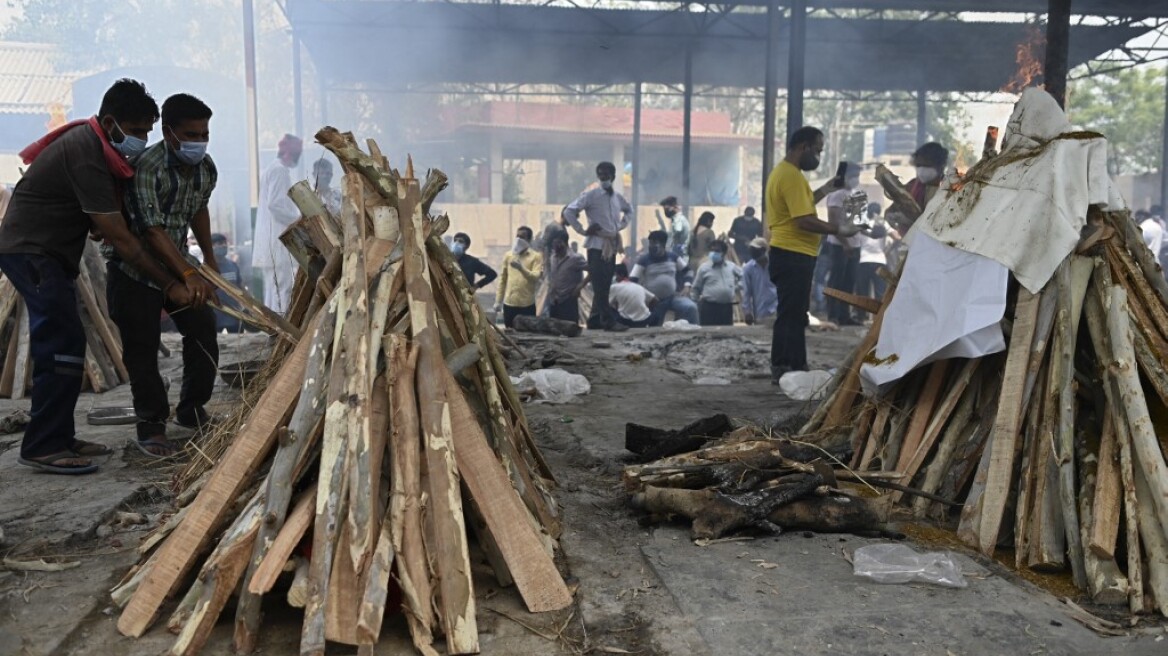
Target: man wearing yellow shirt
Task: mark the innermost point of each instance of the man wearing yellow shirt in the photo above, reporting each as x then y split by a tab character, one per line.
795	231
519	278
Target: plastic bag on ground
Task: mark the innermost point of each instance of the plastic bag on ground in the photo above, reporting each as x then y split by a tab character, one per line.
898	563
805	385
680	324
551	385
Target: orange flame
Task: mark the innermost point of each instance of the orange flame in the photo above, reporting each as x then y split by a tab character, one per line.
1028	55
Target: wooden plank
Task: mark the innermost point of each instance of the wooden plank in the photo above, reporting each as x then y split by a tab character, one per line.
1155	540
295	526
1072	286
8	375
532	569
111	342
21	370
840	409
937	422
1105	583
922	415
1007	421
866	303
233	471
345	591
958	427
876	435
251	305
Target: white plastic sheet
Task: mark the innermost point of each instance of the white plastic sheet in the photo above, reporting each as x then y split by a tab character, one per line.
805	385
948	304
551	385
899	563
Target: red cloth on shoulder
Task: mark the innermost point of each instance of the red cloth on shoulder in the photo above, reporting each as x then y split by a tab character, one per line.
118	165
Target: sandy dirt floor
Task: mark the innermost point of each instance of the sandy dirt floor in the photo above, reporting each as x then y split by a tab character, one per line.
640	589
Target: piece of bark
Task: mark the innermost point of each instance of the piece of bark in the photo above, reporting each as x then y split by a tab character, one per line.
917	442
1107	497
1007	423
230	475
295	526
655	443
958	427
1105	583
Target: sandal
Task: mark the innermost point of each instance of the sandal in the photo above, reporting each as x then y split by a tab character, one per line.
90	449
63	462
159	443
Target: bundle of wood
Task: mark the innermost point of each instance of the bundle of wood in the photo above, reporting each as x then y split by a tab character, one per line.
103	357
1051	447
727	479
397	428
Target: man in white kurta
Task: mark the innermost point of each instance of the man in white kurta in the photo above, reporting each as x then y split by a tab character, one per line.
275	214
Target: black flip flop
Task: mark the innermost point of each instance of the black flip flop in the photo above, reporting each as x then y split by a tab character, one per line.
144	445
90	449
46	464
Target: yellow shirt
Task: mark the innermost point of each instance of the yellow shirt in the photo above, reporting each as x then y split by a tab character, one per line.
788	196
517	287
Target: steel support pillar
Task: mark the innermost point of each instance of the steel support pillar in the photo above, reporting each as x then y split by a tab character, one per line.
795	65
249	64
634	196
922	116
770	89
297	86
1164	156
1058	41
687	131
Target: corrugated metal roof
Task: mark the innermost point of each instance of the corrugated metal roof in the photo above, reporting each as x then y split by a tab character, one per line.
29	81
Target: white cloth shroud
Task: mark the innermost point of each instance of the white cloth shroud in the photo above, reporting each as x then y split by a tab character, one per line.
1025	219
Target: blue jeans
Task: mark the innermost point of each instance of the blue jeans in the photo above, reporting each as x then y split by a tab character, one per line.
681	306
57	347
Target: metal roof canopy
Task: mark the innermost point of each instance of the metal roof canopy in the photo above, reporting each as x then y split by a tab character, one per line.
351	42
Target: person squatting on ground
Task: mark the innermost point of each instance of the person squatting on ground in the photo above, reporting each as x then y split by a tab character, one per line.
631	303
172	185
608	214
519	280
759	300
658	271
472	267
796	232
276	212
565	280
715	285
69	192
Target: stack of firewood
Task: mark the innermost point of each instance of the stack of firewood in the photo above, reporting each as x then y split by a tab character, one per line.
387	429
1056	448
103	357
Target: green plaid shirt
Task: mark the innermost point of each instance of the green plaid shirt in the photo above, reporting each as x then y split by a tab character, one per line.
164	194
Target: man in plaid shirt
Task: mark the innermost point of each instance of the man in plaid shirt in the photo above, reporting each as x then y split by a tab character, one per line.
168	196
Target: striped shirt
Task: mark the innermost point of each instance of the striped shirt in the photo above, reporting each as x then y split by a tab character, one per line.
165	194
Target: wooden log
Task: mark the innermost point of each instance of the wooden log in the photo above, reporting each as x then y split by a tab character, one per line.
8	374
233	471
280	551
1145	447
257	310
1007	422
900	197
546	326
1143	257
450	555
651	443
1139	293
220	576
531	567
1107	498
294	445
1072	286
958	427
1024	504
876	435
1105	583
926	424
298	240
298	591
865	303
838	413
1155	541
110	340
21	368
405	501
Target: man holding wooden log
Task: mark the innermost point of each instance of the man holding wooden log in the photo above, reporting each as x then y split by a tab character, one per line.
68	193
796	232
608	214
169	195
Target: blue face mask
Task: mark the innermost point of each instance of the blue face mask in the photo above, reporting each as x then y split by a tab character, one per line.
457	248
190	152
130	146
715	257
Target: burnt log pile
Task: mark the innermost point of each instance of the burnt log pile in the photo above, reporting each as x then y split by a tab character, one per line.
386	441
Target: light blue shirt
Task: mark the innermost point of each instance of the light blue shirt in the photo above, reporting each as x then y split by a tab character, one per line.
759	298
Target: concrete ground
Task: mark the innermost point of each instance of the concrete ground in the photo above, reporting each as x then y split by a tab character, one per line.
642	590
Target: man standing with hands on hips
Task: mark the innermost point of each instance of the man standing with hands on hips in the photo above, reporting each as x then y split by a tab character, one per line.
608	214
796	231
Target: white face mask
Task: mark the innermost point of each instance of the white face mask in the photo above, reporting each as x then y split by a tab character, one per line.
520	245
927	174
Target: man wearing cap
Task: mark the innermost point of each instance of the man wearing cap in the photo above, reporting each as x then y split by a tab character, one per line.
275	214
759	299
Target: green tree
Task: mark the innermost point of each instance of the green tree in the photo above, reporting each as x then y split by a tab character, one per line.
1127	106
